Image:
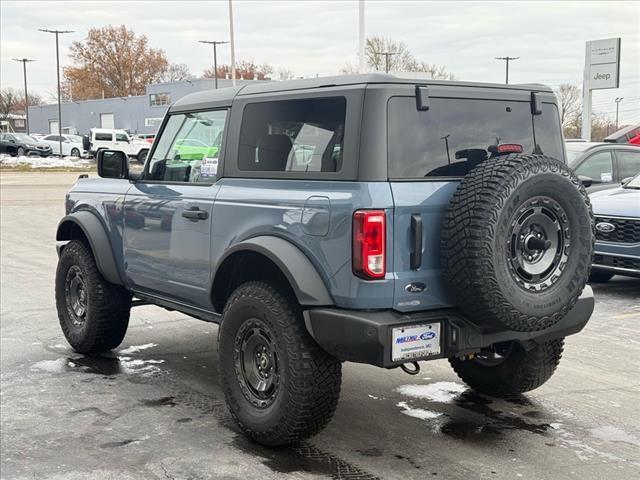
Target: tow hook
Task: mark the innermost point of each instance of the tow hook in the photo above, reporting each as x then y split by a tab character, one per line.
411	371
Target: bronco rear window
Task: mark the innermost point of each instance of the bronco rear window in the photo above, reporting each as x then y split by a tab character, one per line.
455	134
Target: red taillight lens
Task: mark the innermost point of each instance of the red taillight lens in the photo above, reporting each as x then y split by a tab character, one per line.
369	235
509	148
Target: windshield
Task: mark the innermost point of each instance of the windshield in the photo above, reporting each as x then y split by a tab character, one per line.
633	183
75	138
23	137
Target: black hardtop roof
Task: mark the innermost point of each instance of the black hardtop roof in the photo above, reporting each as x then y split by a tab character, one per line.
213	96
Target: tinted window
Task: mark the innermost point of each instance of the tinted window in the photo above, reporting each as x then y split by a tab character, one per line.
293	136
547	132
188	148
122	137
454	135
52	138
104	137
628	163
598	167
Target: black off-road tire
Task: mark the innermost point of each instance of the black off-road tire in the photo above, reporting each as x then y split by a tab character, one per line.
105	322
308	382
519	372
478	253
600	277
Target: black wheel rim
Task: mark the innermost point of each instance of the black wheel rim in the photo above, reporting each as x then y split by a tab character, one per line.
495	355
76	296
538	247
256	363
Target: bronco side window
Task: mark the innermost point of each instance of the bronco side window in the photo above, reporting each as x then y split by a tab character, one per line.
188	148
304	135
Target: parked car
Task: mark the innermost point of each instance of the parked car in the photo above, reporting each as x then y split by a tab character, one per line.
103	139
71	145
383	228
603	165
147	137
617	214
22	144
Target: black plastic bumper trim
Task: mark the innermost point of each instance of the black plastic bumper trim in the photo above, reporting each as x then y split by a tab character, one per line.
365	336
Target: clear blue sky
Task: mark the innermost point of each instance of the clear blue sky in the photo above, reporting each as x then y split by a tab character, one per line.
319	37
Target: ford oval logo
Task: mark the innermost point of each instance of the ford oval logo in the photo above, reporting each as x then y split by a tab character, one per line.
605	227
415	287
427	335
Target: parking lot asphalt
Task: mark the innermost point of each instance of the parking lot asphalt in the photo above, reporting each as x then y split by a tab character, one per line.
154	409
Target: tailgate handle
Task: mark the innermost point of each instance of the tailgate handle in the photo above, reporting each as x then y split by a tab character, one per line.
416	241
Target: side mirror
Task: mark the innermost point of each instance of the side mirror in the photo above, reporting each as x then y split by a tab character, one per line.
112	164
626	180
586	181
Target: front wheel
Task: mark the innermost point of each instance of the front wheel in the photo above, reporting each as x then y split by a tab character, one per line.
509	368
20	152
279	385
93	313
142	156
75	152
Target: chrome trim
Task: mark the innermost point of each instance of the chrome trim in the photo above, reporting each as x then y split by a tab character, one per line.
637	219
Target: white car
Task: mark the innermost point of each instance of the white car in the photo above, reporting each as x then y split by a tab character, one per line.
111	139
71	145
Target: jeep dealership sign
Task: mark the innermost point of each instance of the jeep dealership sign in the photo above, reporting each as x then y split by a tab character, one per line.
603	63
601	71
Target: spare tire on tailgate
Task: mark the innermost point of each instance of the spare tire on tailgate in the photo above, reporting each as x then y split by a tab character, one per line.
517	242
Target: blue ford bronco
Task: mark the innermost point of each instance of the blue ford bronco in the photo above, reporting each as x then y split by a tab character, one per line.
360	218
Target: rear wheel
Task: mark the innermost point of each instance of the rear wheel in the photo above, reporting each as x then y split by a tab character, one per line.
93	313
142	156
20	152
509	368
517	242
600	277
280	386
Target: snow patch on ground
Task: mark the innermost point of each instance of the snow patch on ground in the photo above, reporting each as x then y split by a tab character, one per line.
51	366
137	348
609	433
420	413
443	392
45	162
138	365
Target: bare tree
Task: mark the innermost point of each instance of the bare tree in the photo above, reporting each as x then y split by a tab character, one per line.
8	100
379	48
285	74
246	70
177	72
569	103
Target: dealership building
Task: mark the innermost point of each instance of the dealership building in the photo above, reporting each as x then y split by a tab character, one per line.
136	114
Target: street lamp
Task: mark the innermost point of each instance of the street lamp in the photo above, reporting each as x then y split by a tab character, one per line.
507	59
57	33
617	100
215	43
26	95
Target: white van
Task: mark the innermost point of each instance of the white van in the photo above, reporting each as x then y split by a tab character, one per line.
112	139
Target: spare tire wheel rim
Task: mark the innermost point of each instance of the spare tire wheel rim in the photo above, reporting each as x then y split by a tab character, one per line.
256	363
76	296
539	243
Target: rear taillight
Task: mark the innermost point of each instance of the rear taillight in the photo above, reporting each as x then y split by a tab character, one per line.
509	148
369	244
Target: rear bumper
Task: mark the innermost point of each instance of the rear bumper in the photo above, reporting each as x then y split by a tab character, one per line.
365	336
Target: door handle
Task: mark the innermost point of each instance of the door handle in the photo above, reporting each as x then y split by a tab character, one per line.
415	258
194	214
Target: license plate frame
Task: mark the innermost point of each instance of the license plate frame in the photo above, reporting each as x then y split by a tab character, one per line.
413	342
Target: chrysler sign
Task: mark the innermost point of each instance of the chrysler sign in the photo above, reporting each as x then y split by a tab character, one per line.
603	63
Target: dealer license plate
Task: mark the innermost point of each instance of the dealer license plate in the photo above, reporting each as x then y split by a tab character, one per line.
415	341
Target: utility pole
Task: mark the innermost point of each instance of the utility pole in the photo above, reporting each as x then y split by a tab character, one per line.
386	59
507	59
57	33
617	100
26	95
233	46
215	43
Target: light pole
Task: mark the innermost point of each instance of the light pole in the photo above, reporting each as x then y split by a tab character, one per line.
233	46
386	59
26	95
57	33
215	43
507	59
617	100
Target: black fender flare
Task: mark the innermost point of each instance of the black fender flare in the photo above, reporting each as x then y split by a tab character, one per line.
94	231
307	285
